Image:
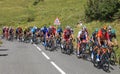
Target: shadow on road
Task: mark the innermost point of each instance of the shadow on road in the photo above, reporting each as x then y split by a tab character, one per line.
3	54
3	49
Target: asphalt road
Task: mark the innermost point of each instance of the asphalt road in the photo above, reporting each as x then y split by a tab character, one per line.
25	58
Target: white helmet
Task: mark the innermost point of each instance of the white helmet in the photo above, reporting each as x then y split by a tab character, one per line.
68	27
42	28
35	27
109	27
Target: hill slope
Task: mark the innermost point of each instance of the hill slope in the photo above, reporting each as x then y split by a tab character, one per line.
20	12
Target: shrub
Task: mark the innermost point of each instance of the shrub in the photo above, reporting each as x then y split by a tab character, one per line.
101	9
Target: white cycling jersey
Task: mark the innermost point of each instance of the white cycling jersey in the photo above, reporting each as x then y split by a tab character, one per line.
80	32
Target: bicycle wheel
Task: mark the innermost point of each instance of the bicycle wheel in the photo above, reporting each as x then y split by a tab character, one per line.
105	62
96	63
112	58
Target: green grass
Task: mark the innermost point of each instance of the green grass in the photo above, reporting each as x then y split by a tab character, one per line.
70	12
17	12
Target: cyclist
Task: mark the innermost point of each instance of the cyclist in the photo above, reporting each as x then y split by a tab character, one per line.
11	32
94	42
82	38
59	31
50	34
53	30
27	34
44	30
103	40
112	35
19	32
33	31
94	37
6	32
3	31
67	35
59	34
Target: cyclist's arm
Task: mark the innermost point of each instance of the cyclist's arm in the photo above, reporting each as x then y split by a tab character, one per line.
87	37
98	37
92	39
72	36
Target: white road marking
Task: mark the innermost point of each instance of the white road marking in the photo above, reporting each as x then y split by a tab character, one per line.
58	68
42	52
39	49
46	56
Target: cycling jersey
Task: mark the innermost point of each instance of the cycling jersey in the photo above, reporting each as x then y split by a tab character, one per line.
103	37
49	32
7	30
112	35
11	31
66	34
94	36
33	30
44	30
59	30
19	30
82	35
4	30
54	30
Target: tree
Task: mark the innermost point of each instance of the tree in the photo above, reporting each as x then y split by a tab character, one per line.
101	9
117	14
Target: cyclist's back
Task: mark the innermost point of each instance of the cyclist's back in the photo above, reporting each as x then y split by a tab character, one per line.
103	36
66	34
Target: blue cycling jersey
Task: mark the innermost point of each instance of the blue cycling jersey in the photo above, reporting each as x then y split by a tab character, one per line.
45	30
33	30
59	30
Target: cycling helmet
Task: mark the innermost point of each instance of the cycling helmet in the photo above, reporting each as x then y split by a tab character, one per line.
109	27
103	30
105	27
96	30
113	31
68	27
42	28
35	27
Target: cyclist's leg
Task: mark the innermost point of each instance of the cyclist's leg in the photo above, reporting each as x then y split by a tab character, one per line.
98	52
94	48
78	48
7	35
44	38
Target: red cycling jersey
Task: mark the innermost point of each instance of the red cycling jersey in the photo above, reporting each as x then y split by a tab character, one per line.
54	30
103	36
66	34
